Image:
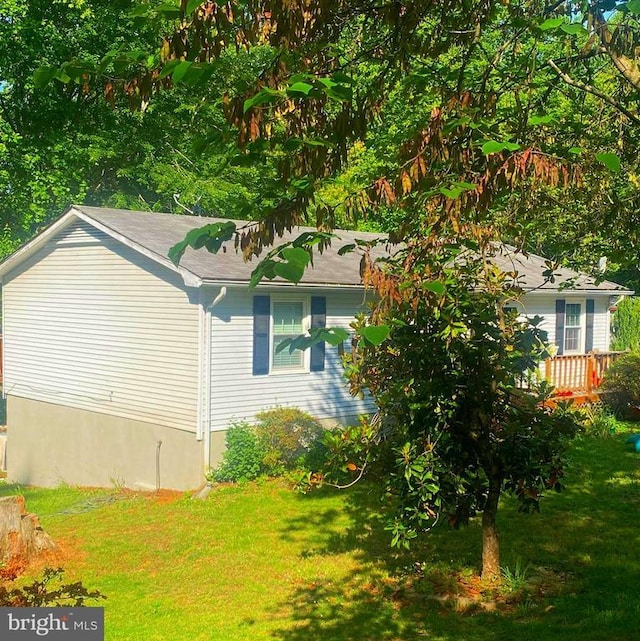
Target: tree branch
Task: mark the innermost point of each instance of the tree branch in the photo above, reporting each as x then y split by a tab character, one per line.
627	67
593	91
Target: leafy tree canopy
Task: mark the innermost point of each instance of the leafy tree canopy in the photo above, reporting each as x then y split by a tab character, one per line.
448	124
531	103
62	143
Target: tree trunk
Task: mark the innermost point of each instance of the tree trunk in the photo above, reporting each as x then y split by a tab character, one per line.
21	536
490	538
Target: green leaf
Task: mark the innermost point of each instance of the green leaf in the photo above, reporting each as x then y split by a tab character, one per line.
169	11
77	69
140	10
541	120
210	236
495	146
168	68
342	78
264	269
456	189
551	23
44	75
576	150
633	6
192	5
573	29
264	96
610	161
181	70
296	255
293	272
375	334
302	184
345	249
332	335
177	251
337	91
511	146
317	142
452	193
492	147
292	144
434	286
300	88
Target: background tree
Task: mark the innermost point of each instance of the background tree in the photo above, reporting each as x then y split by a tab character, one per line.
60	143
626	325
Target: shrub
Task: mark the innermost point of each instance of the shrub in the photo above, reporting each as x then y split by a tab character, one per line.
626	325
285	438
242	460
622	385
48	592
597	421
290	438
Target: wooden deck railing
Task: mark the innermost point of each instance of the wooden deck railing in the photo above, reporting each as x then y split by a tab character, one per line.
578	372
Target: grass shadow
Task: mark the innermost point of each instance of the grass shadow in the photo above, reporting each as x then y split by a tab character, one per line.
584	544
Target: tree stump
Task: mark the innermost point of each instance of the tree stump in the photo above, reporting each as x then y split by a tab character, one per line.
22	539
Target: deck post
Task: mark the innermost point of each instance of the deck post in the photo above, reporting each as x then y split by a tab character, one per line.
589	371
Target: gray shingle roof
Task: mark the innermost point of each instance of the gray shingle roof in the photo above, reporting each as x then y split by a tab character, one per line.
159	232
531	269
154	234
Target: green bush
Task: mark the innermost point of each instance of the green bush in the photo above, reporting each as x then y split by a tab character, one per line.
625	325
284	439
597	421
242	460
622	385
290	438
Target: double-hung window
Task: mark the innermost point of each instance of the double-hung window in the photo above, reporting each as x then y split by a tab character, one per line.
288	320
277	318
573	327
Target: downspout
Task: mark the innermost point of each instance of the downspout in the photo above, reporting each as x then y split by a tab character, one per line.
207	378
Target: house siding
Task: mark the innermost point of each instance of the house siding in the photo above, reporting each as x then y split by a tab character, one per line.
92	324
545	305
237	394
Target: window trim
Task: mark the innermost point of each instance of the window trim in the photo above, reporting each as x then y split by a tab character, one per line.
582	326
305	368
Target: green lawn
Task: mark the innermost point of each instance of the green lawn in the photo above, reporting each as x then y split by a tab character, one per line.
260	562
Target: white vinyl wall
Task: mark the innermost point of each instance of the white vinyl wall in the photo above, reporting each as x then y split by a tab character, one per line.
545	305
237	394
92	324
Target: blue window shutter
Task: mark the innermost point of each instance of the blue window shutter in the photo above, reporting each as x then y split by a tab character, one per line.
591	308
261	322
318	319
560	305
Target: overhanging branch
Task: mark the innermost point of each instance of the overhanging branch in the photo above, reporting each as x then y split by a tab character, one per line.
578	84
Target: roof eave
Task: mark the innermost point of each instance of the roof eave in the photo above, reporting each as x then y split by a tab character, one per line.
36	243
578	292
279	284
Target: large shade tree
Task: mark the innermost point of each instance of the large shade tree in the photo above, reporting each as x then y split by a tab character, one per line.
441	121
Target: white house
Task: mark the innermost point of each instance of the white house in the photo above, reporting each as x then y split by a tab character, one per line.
120	367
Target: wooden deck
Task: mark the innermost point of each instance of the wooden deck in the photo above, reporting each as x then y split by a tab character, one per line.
578	376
